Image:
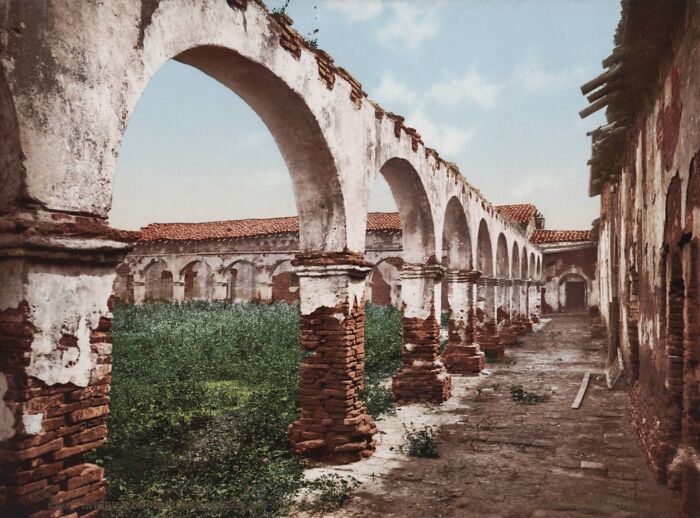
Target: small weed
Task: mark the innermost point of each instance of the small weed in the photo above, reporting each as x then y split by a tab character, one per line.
520	395
328	493
420	442
281	10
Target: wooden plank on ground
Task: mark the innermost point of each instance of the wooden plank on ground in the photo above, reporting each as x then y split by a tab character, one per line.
582	390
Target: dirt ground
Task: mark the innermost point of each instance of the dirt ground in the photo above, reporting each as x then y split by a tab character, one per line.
499	458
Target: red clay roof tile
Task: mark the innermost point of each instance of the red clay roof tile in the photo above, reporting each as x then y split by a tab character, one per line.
245	228
522	212
559	236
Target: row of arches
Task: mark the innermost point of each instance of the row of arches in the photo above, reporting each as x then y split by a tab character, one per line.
333	140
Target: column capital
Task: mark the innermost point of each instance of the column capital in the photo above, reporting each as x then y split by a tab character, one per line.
178	283
462	276
331	270
327	264
65	238
422	271
487	281
517	282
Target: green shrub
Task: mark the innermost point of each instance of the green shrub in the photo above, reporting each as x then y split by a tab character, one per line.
420	442
520	395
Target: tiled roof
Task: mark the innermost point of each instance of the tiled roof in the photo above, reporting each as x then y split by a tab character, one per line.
559	236
244	228
522	212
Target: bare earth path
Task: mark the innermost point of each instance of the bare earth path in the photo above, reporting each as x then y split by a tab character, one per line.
504	459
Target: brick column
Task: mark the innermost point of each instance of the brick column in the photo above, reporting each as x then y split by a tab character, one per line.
527	322
462	355
488	334
334	424
55	361
422	377
220	290
518	318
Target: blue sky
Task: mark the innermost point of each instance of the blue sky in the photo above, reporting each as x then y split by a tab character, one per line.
493	85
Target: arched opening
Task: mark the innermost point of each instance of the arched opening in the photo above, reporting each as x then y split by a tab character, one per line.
411	199
573	293
198	280
484	264
242	282
384	282
502	273
524	273
420	287
516	273
456	244
285	283
216	348
158	282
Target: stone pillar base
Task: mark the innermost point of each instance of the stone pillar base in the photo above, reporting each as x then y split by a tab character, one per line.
423	382
490	341
463	359
334	439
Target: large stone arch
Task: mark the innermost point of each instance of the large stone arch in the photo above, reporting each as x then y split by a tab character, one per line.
87	111
417	228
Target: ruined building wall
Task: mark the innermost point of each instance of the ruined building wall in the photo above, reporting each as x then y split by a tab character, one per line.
562	267
648	254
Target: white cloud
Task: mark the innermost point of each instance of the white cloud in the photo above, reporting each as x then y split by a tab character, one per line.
392	91
447	140
532	75
472	87
356	10
410	24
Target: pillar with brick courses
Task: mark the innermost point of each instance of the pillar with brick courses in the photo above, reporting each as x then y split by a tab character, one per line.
488	334
220	290
462	354
334	425
178	291
55	361
519	319
422	377
533	288
507	330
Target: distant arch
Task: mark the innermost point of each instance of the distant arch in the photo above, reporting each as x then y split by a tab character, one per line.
242	281
525	274
484	254
158	282
456	241
515	262
385	282
199	281
502	264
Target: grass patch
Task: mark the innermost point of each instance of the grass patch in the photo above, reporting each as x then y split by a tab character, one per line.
202	394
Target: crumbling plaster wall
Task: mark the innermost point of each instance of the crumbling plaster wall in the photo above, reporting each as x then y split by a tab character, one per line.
653	215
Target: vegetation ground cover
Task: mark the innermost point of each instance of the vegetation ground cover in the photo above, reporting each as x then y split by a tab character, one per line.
202	395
